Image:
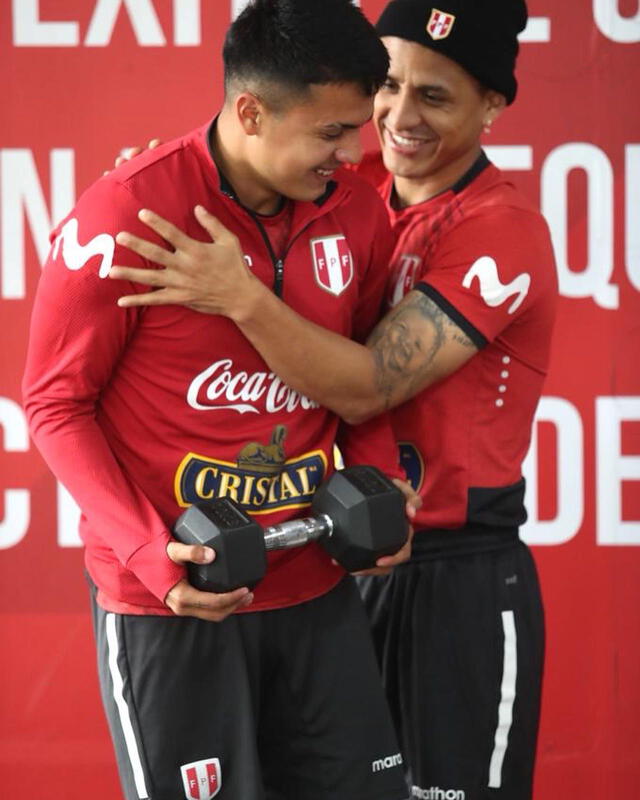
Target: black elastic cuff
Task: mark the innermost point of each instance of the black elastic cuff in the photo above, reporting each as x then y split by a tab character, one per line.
452	312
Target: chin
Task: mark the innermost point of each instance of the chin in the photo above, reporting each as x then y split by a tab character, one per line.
396	164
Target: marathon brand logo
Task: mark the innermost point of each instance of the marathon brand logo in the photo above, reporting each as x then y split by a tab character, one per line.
440	24
435	793
291	484
493	291
202	780
219	387
386	763
406	271
333	263
76	255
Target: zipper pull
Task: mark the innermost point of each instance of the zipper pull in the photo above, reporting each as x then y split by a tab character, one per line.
277	286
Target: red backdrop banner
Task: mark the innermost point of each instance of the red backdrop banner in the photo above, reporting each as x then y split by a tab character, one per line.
82	79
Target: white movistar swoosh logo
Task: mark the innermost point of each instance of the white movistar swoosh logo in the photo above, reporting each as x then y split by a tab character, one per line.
493	291
76	255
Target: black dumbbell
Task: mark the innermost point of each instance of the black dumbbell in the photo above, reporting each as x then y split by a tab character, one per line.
358	516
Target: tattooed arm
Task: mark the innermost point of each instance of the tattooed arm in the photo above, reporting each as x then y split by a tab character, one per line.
415	345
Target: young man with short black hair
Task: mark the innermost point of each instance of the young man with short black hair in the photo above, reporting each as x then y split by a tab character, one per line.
274	693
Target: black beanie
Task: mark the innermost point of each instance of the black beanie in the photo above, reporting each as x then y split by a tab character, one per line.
479	35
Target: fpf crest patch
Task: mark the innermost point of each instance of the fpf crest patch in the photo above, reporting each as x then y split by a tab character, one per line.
440	24
332	263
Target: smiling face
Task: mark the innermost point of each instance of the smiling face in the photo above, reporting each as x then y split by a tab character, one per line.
294	152
429	116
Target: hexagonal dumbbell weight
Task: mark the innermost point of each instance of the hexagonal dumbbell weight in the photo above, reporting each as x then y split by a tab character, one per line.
358	516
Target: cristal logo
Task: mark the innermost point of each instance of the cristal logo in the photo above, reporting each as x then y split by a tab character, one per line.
218	387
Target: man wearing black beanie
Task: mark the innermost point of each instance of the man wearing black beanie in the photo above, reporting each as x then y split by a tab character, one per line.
461	358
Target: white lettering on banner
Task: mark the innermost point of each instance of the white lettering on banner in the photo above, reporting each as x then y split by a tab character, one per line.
511	156
595	279
569	475
554	177
144	21
17	505
186	23
30	31
222	384
239	5
613	468
21	194
68	518
538	29
632	213
613	25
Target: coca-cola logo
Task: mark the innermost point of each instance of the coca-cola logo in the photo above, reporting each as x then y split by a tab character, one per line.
218	387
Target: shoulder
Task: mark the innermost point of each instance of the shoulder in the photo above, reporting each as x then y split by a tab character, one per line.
363	204
162	158
372	169
115	198
492	211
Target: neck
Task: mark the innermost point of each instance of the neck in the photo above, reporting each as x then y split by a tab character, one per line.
411	191
228	148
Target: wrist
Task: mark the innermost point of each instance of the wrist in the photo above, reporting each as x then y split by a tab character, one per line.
254	294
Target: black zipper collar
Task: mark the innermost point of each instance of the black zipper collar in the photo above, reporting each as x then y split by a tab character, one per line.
478	166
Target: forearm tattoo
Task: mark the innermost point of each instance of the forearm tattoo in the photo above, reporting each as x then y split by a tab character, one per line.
404	350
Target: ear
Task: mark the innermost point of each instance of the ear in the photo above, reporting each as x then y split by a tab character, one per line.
249	110
495	105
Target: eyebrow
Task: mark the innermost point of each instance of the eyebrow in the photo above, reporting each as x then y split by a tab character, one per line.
347	126
423	87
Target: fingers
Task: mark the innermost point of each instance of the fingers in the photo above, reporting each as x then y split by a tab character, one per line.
403	554
374	571
388	562
212	225
126	154
148	250
181	553
187	601
164	228
153	143
414	501
148	277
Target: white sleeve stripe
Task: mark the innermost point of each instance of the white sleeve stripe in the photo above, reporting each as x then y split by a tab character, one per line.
123	709
508	695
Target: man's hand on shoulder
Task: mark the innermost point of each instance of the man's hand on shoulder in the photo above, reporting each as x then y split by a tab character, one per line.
210	277
127	153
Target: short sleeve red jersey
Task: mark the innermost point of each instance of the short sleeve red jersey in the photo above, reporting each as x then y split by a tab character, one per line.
483	254
141	412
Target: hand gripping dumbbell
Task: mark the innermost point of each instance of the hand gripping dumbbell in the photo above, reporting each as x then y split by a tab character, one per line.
358	516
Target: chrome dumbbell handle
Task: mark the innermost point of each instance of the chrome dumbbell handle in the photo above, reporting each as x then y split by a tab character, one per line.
297	532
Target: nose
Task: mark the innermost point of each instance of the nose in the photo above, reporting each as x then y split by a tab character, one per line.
351	150
402	114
